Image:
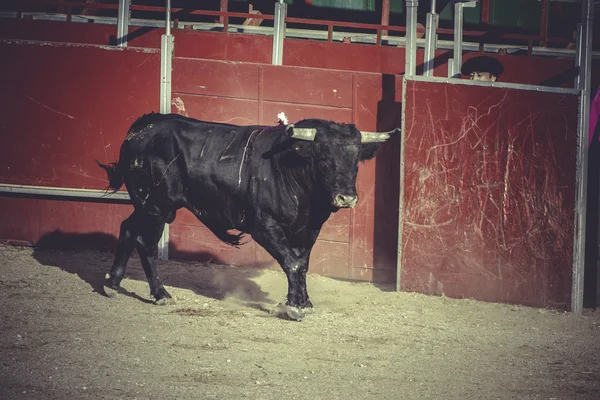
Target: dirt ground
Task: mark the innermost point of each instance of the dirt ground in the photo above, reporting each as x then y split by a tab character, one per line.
61	339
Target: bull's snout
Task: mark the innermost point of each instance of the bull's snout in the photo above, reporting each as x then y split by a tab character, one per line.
345	201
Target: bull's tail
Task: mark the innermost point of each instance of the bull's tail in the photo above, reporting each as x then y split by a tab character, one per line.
115	175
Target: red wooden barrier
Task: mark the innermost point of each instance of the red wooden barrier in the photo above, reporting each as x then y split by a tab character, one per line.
489	193
79	106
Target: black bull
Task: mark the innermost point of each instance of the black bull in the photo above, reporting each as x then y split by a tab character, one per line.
279	184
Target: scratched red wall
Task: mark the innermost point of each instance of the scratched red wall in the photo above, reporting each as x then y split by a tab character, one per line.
489	189
63	107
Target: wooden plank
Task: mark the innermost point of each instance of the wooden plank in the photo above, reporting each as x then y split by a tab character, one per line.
216	109
215	78
296	112
316	87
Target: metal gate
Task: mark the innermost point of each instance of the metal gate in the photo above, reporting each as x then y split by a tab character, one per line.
489	197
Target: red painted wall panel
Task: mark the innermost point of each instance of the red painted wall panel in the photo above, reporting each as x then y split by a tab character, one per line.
58	223
75	109
218	46
227	110
330	259
216	78
297	111
375	224
318	87
489	191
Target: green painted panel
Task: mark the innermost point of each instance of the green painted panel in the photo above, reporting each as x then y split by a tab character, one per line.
523	14
397	6
472	14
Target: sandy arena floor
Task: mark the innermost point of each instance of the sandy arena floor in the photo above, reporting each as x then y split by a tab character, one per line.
61	339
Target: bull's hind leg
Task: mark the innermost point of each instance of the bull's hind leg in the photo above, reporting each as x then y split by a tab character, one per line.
127	235
142	232
146	244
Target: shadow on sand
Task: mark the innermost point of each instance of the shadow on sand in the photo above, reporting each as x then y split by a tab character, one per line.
64	251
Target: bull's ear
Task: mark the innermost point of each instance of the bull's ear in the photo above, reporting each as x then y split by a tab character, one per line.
303	148
369	150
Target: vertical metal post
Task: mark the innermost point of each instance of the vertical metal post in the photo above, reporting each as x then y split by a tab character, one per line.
578	56
544	17
223	8
385	16
278	32
166	68
454	72
485	12
168	18
430	40
411	37
400	247
123	22
587	18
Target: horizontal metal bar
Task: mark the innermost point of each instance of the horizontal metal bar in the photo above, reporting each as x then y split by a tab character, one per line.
42	43
63	192
363	38
156	9
303	21
562	1
519	86
345	24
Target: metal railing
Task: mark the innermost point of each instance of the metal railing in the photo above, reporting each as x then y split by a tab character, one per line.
475	40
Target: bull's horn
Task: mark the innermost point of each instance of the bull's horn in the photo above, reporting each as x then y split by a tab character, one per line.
370	137
303	133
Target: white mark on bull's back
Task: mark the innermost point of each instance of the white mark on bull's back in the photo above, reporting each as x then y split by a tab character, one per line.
49	108
244	157
295	268
179	105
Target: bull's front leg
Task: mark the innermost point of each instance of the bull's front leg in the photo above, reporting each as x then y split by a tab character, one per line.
275	242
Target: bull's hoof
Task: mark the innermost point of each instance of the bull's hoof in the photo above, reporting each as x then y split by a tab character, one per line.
295	313
283	310
308	310
165	301
307	306
110	292
162	297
